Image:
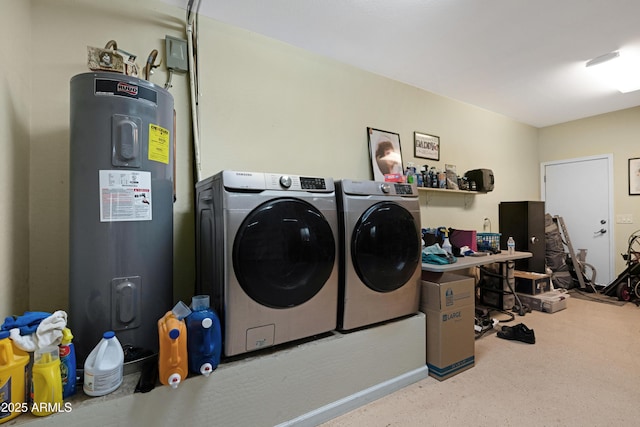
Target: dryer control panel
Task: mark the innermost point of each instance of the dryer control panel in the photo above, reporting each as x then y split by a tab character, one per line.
378	188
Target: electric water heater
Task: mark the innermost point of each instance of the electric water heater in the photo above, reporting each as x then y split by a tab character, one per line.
121	210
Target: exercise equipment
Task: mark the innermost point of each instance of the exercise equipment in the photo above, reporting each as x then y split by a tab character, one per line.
627	285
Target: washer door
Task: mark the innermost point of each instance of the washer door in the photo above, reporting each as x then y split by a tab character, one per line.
385	248
283	253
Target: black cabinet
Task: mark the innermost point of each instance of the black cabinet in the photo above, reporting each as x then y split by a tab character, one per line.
524	221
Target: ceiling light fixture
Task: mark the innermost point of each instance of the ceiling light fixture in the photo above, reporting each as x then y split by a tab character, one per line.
603	58
616	70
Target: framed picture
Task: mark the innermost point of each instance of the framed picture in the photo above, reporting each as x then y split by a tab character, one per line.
426	146
385	154
634	176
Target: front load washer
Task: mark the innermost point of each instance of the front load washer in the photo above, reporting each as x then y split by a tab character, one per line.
267	254
380	260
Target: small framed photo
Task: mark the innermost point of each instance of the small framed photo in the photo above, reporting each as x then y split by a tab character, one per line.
426	146
634	176
385	154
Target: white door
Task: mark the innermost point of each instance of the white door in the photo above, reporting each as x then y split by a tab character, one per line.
580	191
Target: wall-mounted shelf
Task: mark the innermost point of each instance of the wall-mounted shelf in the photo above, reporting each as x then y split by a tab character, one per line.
431	192
446	190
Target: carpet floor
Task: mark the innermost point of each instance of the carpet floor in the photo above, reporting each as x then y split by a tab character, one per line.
583	370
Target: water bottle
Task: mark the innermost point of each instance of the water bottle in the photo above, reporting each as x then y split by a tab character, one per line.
204	340
511	246
13	366
46	385
446	245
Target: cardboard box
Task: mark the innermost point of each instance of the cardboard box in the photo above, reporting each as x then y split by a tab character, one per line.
449	305
548	302
532	283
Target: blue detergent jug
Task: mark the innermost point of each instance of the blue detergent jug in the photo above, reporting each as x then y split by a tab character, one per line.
204	339
67	364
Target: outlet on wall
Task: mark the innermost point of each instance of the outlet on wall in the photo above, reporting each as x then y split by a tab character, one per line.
624	219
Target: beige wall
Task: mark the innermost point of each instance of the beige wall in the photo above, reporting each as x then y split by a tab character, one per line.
268	106
15	87
265	106
616	133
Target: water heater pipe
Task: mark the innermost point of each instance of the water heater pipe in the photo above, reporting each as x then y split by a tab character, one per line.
193	77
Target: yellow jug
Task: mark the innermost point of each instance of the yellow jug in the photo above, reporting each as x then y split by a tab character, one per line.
13	375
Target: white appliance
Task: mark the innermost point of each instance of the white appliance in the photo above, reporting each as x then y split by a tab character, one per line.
380	260
266	247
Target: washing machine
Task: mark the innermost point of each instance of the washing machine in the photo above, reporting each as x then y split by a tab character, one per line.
380	258
267	255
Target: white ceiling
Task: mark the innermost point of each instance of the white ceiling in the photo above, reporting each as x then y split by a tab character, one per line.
524	59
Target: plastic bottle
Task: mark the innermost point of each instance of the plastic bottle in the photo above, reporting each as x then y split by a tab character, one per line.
434	177
511	246
446	244
103	368
409	173
173	364
46	385
13	376
204	340
67	364
424	180
442	179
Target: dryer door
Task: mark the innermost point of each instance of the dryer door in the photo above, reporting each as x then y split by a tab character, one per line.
385	247
283	253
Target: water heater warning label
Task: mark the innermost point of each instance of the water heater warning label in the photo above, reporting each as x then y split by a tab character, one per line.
125	196
159	140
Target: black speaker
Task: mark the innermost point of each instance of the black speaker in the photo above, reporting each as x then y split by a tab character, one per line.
483	179
525	222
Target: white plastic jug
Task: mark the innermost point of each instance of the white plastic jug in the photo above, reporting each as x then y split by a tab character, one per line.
103	368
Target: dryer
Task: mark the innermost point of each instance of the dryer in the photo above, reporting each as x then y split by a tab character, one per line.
267	254
380	259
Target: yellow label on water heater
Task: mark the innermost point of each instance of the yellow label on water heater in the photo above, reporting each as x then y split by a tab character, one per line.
159	144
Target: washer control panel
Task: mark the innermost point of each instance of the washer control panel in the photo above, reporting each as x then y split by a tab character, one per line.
275	181
313	183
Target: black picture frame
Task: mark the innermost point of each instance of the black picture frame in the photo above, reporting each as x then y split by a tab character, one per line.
385	153
426	146
634	176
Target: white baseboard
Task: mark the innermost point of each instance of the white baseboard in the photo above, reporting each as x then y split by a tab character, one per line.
356	400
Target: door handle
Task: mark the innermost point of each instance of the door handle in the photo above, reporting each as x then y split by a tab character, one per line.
601	231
